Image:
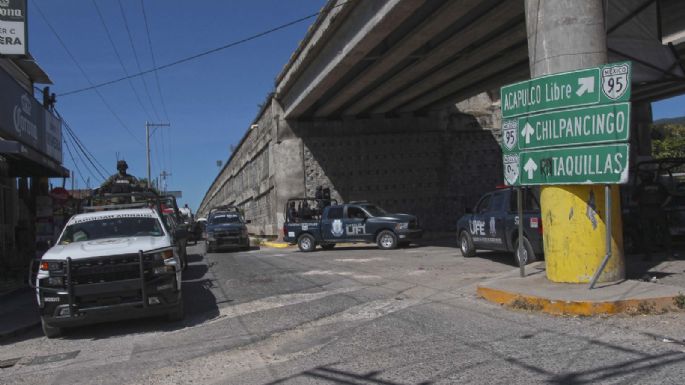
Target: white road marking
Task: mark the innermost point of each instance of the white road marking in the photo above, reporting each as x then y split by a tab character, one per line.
343	273
361	260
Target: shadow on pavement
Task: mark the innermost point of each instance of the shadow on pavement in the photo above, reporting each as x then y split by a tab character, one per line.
338	376
199	306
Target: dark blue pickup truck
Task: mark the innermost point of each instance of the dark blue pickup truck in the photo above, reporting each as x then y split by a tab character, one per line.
311	222
493	224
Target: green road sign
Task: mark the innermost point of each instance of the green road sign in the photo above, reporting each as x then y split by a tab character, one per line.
605	164
586	125
600	85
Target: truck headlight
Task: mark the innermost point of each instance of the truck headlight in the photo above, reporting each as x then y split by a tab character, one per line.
166	256
402	226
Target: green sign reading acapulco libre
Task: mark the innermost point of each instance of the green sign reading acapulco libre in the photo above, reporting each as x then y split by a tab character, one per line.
601	85
577	126
571	165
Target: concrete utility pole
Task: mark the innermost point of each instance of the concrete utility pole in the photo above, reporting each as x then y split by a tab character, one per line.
565	35
147	146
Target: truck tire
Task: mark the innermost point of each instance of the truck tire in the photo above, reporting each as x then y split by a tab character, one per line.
466	245
328	246
527	249
50	331
386	240
306	243
177	313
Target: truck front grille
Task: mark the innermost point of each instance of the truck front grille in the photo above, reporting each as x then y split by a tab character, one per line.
107	269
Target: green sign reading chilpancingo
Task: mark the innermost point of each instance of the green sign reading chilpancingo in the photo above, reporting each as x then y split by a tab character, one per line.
586	125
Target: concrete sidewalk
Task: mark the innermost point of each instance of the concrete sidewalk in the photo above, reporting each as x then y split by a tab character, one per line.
535	292
18	312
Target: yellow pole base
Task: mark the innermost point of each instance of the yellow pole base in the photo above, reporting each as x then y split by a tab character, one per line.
574	233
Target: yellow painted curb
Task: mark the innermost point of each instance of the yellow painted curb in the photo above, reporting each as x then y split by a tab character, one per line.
277	245
585	308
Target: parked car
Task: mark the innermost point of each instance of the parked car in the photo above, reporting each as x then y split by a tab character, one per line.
111	262
226	228
493	224
312	222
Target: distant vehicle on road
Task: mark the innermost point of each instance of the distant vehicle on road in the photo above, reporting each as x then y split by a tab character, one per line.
226	228
310	222
493	225
111	262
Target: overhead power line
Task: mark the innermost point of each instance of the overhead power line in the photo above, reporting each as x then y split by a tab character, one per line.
102	170
71	155
205	53
135	56
83	72
154	62
121	62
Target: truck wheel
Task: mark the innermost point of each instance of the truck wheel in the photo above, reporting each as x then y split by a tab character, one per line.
528	253
246	247
177	314
386	240
306	243
466	245
50	331
328	246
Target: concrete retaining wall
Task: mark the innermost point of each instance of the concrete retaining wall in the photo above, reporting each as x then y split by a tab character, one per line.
433	166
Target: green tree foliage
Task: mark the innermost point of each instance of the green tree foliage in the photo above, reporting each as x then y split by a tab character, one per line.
668	141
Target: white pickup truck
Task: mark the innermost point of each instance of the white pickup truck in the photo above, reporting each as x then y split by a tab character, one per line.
107	266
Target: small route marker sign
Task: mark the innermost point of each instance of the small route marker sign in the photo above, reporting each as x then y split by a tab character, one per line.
599	85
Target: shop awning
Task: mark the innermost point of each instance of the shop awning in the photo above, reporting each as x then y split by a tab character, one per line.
24	161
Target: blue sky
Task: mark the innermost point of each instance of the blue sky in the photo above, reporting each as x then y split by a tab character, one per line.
209	101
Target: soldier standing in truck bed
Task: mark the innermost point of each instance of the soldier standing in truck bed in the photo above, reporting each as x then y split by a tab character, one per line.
121	182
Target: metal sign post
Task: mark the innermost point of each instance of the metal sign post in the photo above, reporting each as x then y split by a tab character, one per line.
607	225
521	258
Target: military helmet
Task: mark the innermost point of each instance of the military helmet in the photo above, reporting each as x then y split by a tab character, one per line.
122	164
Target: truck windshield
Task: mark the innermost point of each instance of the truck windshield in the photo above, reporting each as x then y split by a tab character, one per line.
225	218
375	211
112	227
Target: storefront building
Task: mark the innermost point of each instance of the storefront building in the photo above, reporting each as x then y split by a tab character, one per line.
30	153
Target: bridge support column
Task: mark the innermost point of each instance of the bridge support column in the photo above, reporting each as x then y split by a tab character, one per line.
565	35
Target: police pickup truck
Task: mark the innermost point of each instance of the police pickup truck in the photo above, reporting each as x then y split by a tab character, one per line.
493	225
111	262
226	228
310	222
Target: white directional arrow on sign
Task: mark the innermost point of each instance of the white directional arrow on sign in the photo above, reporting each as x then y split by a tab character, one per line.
586	85
527	131
530	167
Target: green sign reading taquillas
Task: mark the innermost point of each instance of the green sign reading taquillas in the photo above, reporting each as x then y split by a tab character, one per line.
569	165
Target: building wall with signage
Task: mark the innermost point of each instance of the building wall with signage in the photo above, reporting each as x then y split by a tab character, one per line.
30	153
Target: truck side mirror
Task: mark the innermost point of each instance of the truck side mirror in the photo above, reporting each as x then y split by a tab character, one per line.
248	221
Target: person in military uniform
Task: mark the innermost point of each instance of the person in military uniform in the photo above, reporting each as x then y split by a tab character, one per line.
652	196
121	182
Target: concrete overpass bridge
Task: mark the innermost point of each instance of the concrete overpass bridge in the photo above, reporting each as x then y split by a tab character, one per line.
396	101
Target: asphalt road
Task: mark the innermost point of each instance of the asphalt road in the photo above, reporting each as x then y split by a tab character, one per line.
354	315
